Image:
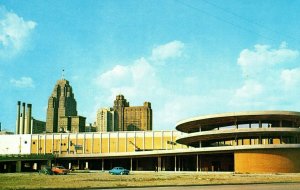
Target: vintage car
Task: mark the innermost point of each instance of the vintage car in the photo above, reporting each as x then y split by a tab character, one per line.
60	170
118	171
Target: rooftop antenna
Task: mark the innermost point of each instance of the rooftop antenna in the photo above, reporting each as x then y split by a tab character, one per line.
63	74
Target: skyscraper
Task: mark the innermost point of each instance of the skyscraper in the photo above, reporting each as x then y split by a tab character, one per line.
138	118
119	106
122	117
62	105
105	119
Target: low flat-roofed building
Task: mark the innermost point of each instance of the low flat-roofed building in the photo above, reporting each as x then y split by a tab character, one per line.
243	142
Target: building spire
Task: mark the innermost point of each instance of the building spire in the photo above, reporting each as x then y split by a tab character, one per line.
63	74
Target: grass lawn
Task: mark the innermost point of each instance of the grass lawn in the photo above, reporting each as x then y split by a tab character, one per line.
103	179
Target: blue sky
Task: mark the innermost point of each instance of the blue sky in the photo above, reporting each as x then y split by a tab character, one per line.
187	58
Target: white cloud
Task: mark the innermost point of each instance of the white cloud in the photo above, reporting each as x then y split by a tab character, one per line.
290	78
14	31
251	95
23	82
170	50
269	79
115	77
136	81
253	62
250	89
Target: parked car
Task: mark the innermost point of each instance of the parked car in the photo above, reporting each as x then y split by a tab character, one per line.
46	170
60	170
118	171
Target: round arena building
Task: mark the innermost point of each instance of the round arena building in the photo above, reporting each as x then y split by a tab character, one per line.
245	142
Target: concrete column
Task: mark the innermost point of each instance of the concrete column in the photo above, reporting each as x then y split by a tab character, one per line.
144	140
175	163
52	143
69	147
35	166
28	123
108	144
163	166
134	140
197	162
22	127
60	142
260	124
102	164
18	118
130	164
70	165
92	145
235	141
19	166
118	141
101	142
38	145
45	139
84	139
162	140
260	141
152	139
159	163
172	136
86	165
200	163
126	141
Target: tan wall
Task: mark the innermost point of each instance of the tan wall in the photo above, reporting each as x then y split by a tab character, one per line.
267	161
107	142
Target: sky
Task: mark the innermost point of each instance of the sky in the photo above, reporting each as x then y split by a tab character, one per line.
187	57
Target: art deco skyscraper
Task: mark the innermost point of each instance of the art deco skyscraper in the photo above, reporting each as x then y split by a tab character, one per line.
119	105
132	118
61	103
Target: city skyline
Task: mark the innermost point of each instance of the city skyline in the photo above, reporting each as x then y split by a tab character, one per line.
187	58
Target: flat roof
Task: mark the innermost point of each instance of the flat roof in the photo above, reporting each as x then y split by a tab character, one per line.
232	118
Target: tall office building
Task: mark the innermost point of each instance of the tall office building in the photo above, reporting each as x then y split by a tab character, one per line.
62	110
119	106
122	117
105	119
138	118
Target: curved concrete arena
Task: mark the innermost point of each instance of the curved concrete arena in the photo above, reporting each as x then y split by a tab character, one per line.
244	134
